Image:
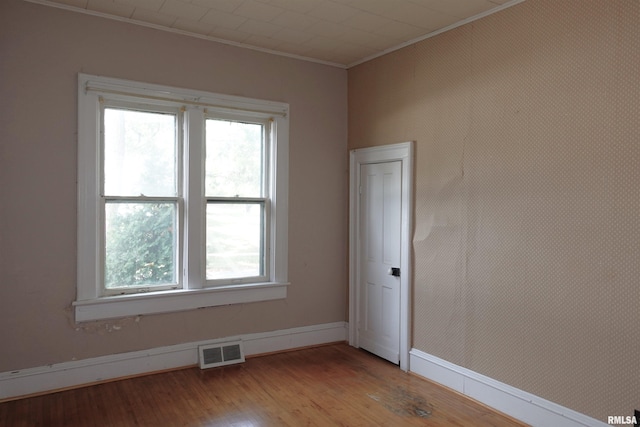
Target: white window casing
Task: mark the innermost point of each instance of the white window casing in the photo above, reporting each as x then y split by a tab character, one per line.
92	301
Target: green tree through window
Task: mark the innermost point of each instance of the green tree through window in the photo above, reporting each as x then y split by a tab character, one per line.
139	244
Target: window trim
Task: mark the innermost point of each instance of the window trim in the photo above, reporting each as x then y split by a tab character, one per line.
90	304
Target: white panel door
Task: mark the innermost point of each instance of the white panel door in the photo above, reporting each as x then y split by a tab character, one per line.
380	240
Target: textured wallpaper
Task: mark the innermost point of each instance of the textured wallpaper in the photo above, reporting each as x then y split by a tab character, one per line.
527	199
42	49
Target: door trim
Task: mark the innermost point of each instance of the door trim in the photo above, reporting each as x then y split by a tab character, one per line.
402	152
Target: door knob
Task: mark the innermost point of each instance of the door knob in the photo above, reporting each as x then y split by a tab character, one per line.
394	271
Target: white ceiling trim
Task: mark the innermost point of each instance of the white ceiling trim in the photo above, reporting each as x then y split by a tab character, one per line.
435	33
182	32
496	9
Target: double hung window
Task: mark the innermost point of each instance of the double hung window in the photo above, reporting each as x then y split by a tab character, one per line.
140	200
182	199
237	208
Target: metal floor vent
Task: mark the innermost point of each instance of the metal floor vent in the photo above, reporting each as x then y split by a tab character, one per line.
221	354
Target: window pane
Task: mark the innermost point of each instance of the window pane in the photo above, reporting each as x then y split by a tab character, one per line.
234	159
234	240
139	153
141	244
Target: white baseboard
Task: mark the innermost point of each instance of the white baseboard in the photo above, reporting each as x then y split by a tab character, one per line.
72	374
509	400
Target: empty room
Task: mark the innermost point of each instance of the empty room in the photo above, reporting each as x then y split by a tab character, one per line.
319	212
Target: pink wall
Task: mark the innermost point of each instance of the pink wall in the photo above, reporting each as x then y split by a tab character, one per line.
527	238
41	51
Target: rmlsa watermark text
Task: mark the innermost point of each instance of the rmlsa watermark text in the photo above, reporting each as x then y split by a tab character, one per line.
622	420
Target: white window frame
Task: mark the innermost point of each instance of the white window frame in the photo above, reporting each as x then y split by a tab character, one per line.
196	292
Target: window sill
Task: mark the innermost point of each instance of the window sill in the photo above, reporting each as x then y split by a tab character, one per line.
180	300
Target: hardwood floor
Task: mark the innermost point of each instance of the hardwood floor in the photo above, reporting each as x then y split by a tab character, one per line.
334	385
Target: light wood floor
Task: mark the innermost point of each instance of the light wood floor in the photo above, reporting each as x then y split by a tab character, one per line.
334	385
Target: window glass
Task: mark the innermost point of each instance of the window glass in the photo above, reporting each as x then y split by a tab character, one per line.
235	239
139	153
234	159
140	244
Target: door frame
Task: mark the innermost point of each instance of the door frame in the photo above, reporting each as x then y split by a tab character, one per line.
402	152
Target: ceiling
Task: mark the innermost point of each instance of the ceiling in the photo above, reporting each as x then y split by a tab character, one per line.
342	33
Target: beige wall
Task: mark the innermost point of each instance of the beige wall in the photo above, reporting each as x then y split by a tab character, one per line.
527	229
41	51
